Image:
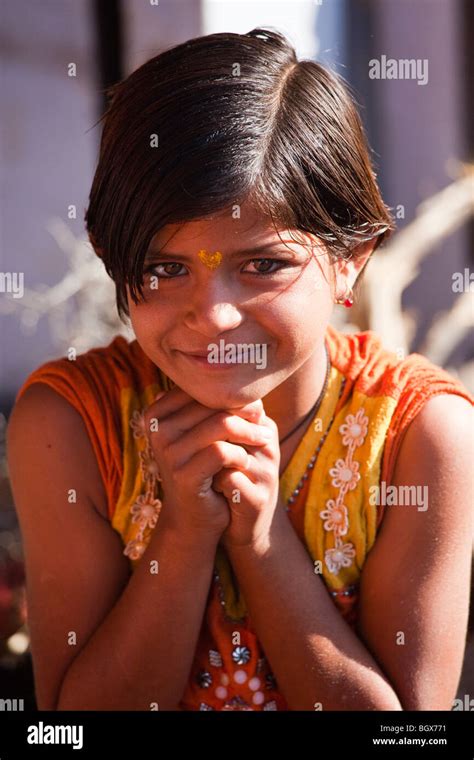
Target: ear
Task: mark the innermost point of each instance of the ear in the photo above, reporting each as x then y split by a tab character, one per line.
348	270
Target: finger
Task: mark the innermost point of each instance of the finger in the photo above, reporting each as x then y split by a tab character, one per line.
180	423
189	417
169	402
230	481
252	411
220	427
209	461
184	413
258	469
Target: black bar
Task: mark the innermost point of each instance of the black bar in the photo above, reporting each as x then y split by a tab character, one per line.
139	734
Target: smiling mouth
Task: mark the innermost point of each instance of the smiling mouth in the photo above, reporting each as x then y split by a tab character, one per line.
202	361
224	356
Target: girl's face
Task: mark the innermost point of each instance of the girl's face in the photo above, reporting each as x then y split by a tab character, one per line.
221	282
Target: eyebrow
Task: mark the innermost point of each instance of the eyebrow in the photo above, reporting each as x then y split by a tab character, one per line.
153	254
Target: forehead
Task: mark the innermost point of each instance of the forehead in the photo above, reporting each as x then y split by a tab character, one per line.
232	229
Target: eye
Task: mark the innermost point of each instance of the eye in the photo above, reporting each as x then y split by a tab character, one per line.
153	270
280	264
270	266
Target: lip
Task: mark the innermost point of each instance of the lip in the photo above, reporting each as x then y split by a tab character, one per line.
199	360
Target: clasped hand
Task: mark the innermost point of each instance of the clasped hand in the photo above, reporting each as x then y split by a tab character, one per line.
219	469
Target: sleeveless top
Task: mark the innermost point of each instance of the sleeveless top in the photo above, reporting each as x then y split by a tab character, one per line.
351	446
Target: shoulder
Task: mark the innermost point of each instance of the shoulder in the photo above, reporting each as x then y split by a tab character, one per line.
92	383
445	419
438	445
46	434
95	393
74	399
432	484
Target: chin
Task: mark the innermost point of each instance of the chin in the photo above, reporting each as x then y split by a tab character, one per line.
225	398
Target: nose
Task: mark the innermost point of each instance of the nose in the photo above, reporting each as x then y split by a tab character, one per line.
212	310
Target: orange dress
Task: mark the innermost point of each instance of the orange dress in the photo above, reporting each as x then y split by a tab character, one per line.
349	449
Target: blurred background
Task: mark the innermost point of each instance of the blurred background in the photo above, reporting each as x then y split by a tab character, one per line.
58	56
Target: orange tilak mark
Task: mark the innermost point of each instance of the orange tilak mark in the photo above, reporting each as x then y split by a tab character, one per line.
211	260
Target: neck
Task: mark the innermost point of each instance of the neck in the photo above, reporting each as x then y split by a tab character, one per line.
291	401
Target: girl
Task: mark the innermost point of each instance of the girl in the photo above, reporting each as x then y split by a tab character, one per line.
205	532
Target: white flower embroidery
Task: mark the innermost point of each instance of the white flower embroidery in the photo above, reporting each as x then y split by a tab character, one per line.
149	465
146	508
340	556
336	517
137	423
354	429
135	548
145	511
345	476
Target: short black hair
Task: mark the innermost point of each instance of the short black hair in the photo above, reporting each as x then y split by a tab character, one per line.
219	120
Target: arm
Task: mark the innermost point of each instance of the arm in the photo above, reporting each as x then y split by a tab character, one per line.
314	654
421	561
135	636
415	580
